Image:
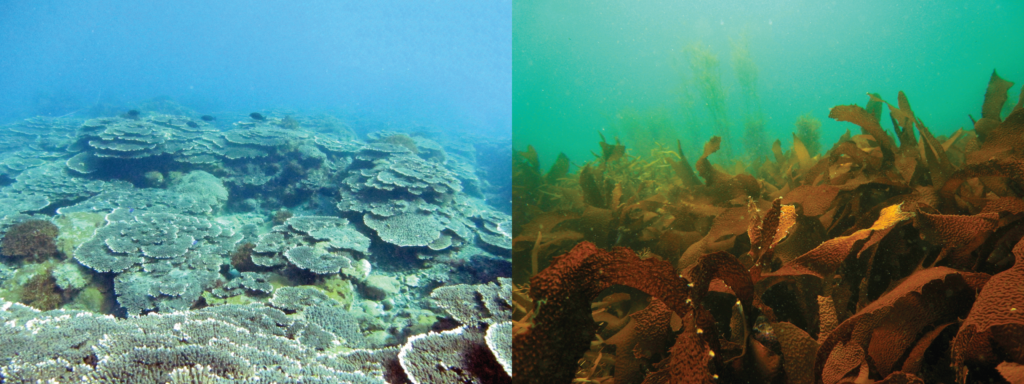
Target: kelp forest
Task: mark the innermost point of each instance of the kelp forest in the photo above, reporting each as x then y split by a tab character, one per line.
891	256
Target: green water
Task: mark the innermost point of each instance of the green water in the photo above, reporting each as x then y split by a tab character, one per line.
580	68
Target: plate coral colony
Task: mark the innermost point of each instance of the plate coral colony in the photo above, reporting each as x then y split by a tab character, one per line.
896	256
153	248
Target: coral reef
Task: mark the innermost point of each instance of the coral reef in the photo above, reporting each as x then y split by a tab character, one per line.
246	282
410	201
243	342
283	249
237	343
320	244
162	260
890	258
464	353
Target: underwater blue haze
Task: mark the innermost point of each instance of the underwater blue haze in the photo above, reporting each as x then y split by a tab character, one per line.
433	62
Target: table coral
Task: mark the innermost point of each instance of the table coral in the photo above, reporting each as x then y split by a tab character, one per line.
471	352
320	244
162	260
162	249
236	342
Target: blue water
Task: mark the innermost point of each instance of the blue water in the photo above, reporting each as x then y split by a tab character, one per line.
437	63
576	65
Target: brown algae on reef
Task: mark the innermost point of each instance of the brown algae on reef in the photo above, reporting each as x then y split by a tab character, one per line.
636	267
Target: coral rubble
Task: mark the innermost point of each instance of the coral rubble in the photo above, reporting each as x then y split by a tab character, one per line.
890	257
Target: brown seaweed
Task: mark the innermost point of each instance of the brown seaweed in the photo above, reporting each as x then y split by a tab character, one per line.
850	266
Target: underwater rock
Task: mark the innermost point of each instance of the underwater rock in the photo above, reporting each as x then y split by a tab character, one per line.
379	287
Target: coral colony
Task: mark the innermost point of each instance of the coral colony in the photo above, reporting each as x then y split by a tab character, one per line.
895	256
153	248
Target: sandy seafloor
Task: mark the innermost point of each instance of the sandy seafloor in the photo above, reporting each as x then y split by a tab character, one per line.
160	246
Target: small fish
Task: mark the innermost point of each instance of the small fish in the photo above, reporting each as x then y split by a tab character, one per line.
256	116
207	118
131	210
132	114
192	124
194	241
